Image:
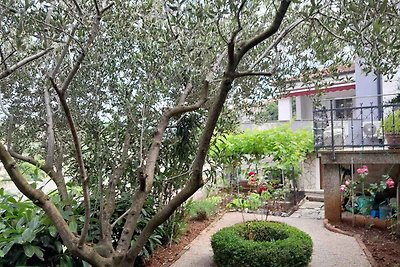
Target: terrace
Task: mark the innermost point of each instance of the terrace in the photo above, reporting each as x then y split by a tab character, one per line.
364	126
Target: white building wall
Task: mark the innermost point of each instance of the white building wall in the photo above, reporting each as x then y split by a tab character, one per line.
285	109
391	86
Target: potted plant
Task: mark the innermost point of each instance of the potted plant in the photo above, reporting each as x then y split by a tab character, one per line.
391	125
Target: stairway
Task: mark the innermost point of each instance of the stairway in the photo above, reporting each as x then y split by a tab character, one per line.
315	195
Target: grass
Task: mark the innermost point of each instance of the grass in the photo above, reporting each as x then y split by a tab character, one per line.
204	208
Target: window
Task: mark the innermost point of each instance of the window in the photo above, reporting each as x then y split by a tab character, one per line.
344	103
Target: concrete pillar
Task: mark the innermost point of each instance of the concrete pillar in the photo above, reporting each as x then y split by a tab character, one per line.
317	173
299	116
285	109
306	108
332	193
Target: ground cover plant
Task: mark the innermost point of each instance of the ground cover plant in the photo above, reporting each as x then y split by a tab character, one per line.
260	243
203	208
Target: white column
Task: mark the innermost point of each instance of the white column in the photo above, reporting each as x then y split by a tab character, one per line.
317	173
285	109
299	106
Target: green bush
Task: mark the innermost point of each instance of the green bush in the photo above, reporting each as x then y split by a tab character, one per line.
204	208
261	244
391	123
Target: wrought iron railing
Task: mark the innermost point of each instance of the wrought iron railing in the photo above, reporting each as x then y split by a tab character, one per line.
355	128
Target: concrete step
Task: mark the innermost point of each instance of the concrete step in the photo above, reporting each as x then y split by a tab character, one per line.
315	195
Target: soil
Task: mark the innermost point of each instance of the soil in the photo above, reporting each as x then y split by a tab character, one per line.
383	245
165	256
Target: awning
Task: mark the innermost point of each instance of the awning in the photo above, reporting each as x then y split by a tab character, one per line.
313	91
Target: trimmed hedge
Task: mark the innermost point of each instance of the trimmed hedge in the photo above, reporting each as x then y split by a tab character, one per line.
261	244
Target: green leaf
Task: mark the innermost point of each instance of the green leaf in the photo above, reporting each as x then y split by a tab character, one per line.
38	252
59	246
73	226
52	231
28	250
7	248
28	235
34	223
2	254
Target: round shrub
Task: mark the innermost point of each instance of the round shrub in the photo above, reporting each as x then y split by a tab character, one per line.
261	244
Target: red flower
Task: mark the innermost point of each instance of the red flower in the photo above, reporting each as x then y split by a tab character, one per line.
261	189
362	170
343	188
252	173
390	183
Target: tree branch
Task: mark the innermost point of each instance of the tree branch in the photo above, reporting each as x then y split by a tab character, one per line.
96	5
186	92
55	176
284	33
30	160
251	73
64	51
10	121
79	158
232	41
272	29
146	176
329	31
119	218
23	62
43	201
37	196
196	180
219	30
109	203
92	35
180	109
49	162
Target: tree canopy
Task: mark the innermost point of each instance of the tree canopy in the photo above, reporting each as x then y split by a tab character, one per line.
123	97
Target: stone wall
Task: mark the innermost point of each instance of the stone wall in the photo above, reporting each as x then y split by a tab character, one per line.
309	179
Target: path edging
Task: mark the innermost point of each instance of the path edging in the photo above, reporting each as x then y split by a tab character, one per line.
357	237
186	248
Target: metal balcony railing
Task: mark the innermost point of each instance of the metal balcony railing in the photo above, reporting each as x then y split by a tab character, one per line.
358	127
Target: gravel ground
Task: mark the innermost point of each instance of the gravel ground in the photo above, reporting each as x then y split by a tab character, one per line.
330	249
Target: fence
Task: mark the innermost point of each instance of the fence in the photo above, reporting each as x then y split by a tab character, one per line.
356	128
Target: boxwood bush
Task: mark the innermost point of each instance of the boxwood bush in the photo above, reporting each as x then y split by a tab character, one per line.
261	243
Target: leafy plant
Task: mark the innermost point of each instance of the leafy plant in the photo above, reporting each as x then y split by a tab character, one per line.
204	208
391	122
286	148
27	236
261	244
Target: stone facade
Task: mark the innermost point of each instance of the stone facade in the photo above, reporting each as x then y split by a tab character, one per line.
309	179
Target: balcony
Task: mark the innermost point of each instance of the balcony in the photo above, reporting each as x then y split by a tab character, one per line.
355	128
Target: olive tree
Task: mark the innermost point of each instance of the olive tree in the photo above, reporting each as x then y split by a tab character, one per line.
139	67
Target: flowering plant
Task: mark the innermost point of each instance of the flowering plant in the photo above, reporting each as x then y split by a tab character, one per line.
348	185
252	179
387	182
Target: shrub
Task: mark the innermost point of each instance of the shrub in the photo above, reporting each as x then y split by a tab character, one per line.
204	208
266	244
391	123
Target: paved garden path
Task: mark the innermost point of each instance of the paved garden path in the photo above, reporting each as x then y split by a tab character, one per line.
330	249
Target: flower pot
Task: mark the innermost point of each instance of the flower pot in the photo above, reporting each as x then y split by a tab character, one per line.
374	213
393	140
385	212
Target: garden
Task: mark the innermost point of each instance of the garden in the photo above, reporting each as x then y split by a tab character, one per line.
370	211
113	114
